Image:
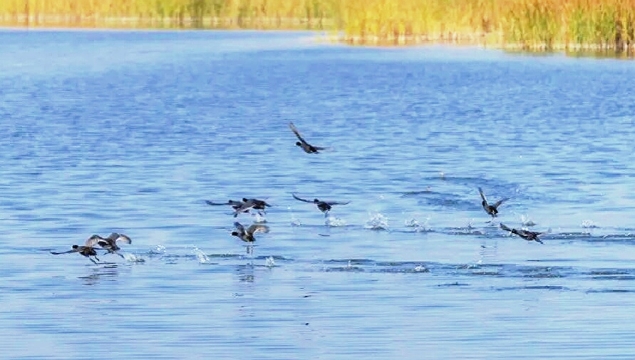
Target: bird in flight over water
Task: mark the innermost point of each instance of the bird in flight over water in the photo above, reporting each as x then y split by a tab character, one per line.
247	235
87	250
493	208
308	148
243	206
525	234
110	243
324	206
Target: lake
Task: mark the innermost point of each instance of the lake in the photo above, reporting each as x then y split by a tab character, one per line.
131	131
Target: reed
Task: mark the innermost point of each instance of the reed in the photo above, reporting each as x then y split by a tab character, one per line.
518	24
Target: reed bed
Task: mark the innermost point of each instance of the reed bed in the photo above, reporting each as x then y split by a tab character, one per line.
310	14
518	24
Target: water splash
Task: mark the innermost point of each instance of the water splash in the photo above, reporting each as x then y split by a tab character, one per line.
421	268
418	227
377	221
294	221
526	221
158	250
589	224
334	221
270	262
200	256
133	258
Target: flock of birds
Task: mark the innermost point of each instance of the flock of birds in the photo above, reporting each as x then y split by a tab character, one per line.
246	205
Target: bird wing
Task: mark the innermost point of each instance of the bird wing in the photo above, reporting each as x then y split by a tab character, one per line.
124	239
239	227
337	202
301	199
242	208
257	228
262	203
105	243
480	191
505	227
499	202
297	133
214	203
92	241
64	252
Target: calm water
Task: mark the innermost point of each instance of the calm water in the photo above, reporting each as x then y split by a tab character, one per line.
132	131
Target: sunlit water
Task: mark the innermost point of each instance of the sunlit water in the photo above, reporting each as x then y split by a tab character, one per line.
132	131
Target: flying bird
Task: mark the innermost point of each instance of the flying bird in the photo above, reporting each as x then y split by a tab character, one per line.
525	234
493	208
243	206
324	206
233	203
308	148
87	250
110	243
247	235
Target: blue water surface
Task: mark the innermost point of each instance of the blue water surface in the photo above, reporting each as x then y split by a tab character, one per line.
131	131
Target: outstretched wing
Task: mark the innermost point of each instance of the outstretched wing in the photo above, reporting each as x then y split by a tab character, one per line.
499	202
297	198
124	239
92	241
505	227
297	133
242	208
63	252
214	203
480	191
239	227
257	228
337	203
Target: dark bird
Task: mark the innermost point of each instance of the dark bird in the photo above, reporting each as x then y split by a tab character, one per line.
490	209
243	206
324	206
110	243
257	204
233	203
308	148
87	250
247	235
249	204
525	234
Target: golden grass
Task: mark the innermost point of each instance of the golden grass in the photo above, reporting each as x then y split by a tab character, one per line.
522	24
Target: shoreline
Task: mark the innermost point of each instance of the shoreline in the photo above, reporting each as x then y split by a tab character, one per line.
324	34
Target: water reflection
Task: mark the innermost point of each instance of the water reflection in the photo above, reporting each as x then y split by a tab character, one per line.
104	271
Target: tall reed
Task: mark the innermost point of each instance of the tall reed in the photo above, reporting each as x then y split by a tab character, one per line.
525	24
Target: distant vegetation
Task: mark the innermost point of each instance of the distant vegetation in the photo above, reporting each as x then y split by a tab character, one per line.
524	24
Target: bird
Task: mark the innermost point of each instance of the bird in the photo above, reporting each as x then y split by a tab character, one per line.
257	204
87	250
308	148
490	209
243	206
247	235
525	234
110	243
324	206
235	204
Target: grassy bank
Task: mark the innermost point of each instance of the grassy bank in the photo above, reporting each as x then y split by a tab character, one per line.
255	14
523	24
